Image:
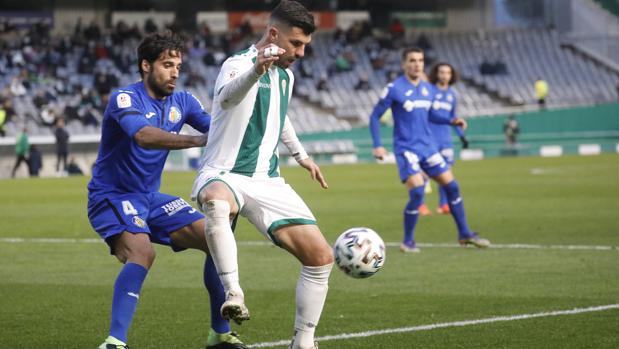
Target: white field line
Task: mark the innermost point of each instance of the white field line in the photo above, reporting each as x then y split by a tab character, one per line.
444	325
389	244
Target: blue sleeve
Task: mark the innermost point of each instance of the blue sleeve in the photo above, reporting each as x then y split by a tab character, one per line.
197	117
127	110
458	129
379	109
436	116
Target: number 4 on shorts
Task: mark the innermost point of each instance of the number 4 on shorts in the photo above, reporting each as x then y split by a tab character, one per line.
128	209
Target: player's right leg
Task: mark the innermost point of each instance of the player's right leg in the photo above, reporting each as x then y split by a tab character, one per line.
219	205
415	185
411	176
443	204
121	221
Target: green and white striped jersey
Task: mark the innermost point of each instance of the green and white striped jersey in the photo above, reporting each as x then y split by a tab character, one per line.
243	138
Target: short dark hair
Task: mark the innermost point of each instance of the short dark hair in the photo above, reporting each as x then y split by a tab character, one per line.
433	77
294	14
155	44
408	50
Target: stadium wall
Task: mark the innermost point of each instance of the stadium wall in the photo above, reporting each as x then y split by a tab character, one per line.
583	130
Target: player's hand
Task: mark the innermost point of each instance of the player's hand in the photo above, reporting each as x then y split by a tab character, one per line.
314	171
380	153
465	142
460	122
264	62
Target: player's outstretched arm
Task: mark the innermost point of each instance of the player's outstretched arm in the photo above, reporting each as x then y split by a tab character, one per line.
150	137
233	92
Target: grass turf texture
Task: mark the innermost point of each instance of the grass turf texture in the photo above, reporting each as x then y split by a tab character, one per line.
58	295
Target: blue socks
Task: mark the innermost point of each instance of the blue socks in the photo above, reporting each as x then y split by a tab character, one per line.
217	296
457	208
411	213
126	294
442	196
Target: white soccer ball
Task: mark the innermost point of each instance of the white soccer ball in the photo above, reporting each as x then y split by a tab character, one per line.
359	252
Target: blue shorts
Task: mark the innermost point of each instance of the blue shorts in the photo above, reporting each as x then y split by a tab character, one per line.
447	152
411	163
155	214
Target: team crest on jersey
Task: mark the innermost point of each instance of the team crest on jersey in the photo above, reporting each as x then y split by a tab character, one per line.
424	92
123	100
284	86
139	221
175	115
450	98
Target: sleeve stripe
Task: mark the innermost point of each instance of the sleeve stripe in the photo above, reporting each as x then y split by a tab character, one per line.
128	112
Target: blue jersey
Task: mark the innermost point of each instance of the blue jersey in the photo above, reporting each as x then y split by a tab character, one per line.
122	165
443	107
410	106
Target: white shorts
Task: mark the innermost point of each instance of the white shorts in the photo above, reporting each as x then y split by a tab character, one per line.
268	203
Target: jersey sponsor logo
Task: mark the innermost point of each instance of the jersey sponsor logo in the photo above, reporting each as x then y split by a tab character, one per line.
409	105
173	207
264	85
441	105
150	115
138	221
123	100
175	115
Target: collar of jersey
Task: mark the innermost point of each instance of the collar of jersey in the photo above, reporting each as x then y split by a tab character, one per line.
145	93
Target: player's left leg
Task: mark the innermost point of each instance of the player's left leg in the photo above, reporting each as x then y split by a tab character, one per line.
443	205
456	206
220	335
308	245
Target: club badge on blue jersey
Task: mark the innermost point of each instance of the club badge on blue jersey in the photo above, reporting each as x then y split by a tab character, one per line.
175	115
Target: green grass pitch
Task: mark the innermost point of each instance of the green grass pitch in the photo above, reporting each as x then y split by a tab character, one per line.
58	294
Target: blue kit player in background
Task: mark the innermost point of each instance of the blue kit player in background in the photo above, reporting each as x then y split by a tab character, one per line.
140	125
410	99
443	76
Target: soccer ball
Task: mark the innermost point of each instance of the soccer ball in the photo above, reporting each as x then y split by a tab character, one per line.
359	252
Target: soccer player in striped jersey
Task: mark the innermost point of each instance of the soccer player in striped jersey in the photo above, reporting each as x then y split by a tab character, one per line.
141	124
239	172
443	76
410	99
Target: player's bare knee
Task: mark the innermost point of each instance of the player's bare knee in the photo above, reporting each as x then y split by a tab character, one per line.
319	255
218	191
324	256
142	254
